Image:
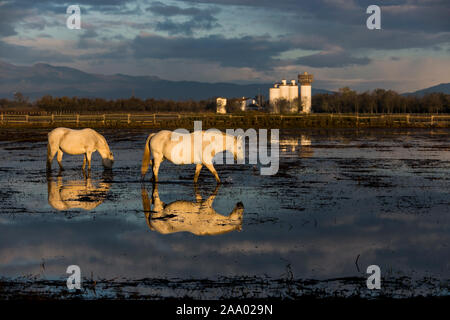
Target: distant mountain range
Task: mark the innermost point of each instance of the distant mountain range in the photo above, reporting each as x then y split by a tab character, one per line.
443	88
41	79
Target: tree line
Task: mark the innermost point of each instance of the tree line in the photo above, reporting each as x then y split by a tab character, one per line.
380	101
343	101
49	103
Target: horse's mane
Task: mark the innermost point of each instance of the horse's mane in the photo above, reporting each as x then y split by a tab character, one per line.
103	140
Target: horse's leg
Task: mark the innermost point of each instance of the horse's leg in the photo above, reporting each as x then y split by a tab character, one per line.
59	158
198	196
213	171
88	158
208	202
158	205
155	168
85	174
84	162
198	168
50	155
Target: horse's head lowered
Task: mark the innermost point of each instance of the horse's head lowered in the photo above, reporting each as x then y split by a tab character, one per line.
108	160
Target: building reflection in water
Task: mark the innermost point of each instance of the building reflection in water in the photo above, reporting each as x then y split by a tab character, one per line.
292	145
306	149
197	217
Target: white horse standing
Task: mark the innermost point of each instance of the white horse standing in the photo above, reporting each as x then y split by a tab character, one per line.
198	147
85	141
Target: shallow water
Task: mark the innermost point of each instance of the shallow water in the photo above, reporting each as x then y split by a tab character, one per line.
341	201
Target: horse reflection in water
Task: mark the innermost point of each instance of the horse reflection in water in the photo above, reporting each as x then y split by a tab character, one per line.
197	217
81	194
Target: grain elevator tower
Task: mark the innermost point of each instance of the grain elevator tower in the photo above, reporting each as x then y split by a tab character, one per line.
305	81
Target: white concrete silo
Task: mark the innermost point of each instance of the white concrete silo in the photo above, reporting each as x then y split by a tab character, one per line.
293	91
293	95
305	80
274	93
274	96
284	90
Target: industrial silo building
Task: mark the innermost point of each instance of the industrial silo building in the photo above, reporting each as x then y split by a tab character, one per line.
305	81
274	96
283	93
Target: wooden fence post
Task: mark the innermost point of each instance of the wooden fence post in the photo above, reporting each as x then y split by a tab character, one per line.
26	118
53	118
154	118
431	120
78	119
129	118
104	118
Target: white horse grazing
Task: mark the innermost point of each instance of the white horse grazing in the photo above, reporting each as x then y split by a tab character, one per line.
198	147
85	141
197	217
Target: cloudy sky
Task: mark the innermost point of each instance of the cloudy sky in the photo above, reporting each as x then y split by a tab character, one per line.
238	40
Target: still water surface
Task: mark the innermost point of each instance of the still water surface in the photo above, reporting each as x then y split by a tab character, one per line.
341	201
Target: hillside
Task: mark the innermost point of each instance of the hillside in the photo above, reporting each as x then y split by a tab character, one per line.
443	88
41	79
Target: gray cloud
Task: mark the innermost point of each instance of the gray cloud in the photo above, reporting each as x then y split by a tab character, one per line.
171	10
334	28
331	59
412	14
10	14
198	19
390	39
253	52
257	53
335	23
187	27
119	51
59	7
87	39
23	54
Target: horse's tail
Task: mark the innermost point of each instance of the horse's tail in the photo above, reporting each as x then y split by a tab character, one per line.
146	161
49	154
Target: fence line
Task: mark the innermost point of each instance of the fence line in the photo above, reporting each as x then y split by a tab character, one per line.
157	118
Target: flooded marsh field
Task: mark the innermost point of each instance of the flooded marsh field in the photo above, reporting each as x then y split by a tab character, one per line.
342	200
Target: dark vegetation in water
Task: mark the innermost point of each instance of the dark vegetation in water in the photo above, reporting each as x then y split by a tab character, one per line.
223	288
